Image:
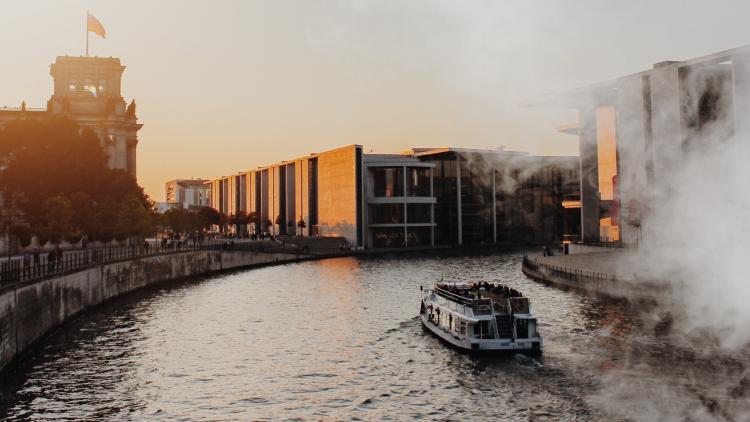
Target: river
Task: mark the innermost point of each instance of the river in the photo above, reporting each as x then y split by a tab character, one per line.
340	339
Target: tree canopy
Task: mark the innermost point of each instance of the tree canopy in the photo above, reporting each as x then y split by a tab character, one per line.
56	176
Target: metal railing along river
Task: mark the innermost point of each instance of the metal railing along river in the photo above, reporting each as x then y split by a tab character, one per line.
566	273
32	267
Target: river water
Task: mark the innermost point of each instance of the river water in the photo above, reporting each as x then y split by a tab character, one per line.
340	339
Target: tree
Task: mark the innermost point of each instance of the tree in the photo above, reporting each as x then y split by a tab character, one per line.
223	221
208	217
176	220
254	219
58	224
239	220
22	233
66	198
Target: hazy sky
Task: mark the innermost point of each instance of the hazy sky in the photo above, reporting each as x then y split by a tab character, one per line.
224	86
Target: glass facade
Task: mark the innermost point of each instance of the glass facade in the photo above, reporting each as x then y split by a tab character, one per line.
386	214
418	181
388	181
418	213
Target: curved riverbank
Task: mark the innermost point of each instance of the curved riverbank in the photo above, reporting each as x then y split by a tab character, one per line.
30	310
592	273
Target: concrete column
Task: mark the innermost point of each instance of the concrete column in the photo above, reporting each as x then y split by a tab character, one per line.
458	200
632	151
432	208
494	206
403	193
589	155
666	122
741	94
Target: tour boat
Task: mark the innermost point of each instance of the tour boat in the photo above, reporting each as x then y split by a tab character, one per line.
480	318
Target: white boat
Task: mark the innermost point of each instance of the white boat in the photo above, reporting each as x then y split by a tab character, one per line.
480	318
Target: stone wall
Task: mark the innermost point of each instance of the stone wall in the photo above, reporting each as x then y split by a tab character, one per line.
31	310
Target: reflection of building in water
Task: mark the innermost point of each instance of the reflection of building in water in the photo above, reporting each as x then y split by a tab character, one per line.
87	90
635	131
421	197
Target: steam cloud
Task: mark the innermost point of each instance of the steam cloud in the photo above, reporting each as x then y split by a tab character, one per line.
693	238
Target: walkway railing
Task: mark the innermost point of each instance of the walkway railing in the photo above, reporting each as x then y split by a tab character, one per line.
28	268
566	273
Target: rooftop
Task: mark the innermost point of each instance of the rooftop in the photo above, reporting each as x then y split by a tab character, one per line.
606	91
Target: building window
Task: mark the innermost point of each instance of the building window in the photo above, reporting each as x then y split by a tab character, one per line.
72	86
388	181
418	180
89	87
386	214
419	213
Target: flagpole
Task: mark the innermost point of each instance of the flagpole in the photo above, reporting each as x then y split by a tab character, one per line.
87	33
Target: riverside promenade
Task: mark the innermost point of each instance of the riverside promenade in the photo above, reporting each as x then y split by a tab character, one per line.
611	272
36	298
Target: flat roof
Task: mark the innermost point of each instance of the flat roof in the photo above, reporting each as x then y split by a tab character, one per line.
606	91
421	152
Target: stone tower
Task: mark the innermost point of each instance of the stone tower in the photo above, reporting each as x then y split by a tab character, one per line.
87	89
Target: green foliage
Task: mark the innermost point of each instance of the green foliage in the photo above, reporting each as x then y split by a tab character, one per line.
22	233
62	187
208	217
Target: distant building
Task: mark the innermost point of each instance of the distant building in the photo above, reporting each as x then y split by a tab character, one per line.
635	131
162	207
422	197
188	193
87	89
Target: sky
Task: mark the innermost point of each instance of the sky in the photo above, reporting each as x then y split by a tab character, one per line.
224	86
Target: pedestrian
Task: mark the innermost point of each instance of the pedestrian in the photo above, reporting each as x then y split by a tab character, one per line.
59	256
51	257
26	264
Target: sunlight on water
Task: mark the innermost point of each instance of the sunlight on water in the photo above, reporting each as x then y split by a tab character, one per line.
319	340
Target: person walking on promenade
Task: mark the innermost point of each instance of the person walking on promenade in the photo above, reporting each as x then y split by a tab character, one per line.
58	256
36	258
51	258
26	264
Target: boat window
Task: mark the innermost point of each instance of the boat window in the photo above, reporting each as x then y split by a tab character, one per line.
522	328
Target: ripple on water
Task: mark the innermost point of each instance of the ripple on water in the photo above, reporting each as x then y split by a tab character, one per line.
335	339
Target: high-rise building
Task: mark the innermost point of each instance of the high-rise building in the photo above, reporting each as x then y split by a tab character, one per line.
88	91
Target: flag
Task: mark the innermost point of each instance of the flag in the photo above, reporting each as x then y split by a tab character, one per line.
93	25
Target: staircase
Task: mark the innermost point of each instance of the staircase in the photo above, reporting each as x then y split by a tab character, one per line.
504	326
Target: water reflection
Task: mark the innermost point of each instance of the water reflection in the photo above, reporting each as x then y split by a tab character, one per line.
336	339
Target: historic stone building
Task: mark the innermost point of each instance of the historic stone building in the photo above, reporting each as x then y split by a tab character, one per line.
87	89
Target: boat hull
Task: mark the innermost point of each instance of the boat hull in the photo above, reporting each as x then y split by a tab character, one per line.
481	346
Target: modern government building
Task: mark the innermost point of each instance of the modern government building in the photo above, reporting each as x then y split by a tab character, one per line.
421	197
635	132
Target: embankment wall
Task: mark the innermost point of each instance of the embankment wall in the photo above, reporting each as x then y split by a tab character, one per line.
28	311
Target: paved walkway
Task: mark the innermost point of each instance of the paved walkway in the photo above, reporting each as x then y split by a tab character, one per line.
609	261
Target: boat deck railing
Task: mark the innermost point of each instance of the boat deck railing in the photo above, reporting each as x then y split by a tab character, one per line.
478	306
